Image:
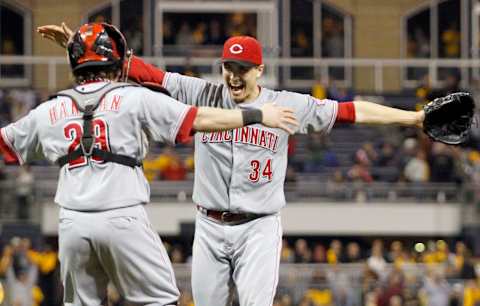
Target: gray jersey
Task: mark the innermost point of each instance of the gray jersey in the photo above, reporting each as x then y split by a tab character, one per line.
244	169
55	127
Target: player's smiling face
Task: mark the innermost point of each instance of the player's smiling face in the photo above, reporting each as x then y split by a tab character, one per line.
242	81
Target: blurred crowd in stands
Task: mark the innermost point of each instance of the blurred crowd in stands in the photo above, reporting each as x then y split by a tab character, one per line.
204	30
347	273
351	273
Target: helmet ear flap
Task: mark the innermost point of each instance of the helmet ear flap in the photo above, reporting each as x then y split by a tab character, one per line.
76	49
118	39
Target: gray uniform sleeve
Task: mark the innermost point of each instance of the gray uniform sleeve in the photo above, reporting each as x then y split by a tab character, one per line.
193	91
19	141
165	117
314	115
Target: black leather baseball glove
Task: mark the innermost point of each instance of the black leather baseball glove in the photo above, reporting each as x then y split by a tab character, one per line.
448	119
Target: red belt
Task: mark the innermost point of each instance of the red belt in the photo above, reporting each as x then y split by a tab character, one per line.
229	217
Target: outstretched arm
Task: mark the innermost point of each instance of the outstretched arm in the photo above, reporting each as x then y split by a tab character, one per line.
215	119
372	113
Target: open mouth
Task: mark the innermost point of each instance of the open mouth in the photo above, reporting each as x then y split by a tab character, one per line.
236	89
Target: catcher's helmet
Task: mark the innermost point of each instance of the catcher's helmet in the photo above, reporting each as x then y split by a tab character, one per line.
96	44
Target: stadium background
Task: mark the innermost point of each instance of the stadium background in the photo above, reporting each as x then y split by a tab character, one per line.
376	216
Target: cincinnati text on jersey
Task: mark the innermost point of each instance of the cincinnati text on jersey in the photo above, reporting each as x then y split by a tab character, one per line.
247	135
66	108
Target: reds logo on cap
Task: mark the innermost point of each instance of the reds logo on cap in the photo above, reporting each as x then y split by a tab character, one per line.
236	49
242	49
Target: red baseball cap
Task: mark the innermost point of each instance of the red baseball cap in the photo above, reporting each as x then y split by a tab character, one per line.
244	50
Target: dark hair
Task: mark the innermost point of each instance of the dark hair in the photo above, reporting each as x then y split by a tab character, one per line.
97	73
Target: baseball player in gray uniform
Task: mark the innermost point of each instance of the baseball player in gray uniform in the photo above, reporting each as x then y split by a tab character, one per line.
239	174
94	132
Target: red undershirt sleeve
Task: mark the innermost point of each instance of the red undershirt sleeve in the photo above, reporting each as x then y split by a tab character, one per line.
346	113
141	72
186	131
9	155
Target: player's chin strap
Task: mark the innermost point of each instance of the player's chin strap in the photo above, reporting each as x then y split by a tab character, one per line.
126	65
87	142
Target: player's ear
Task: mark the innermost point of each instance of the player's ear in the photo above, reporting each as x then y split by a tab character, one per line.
260	70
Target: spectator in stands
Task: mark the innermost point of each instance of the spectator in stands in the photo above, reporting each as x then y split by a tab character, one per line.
423	92
336	91
341	287
176	254
376	262
450	39
200	33
418	44
288	254
237	25
370	152
319	154
21	274
167	32
332	38
334	253
457	260
303	254
152	166
319	253
394	288
360	171
369	286
471	293
353	254
337	188
396	250
319	89
134	34
387	156
395	300
443	251
215	33
441	164
436	289
22	102
301	45
184	35
172	167
47	263
417	169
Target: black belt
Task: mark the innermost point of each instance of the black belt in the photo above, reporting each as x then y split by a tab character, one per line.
229	217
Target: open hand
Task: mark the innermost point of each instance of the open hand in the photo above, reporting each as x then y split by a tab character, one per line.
59	34
279	117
